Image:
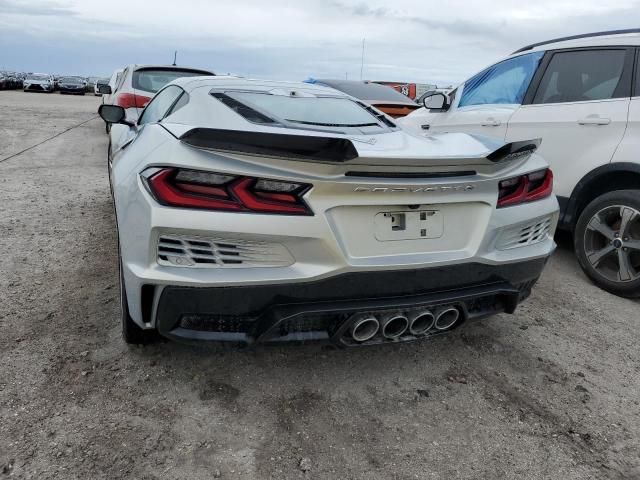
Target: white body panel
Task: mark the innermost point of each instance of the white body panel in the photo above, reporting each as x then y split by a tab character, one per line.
576	137
629	149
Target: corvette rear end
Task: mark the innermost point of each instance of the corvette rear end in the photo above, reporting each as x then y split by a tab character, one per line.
268	212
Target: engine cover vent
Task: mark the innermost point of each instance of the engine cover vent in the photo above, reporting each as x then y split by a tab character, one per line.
523	235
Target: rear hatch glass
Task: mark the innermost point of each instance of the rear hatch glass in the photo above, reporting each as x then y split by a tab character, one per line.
152	80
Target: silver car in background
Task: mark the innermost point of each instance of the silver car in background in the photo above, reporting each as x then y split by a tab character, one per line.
258	212
38	82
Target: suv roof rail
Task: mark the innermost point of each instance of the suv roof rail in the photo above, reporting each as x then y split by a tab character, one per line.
575	37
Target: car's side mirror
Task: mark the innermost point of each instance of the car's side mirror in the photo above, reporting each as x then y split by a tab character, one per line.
436	101
113	114
104	89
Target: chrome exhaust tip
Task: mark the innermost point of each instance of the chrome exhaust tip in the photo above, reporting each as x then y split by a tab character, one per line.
364	328
394	325
421	322
446	318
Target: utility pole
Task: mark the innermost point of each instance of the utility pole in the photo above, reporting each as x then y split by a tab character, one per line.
362	60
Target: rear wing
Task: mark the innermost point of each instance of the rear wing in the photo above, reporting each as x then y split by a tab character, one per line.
293	147
333	150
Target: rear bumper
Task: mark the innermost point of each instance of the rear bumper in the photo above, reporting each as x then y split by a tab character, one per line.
321	311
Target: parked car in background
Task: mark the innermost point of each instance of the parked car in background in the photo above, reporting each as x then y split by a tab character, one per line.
99	81
10	80
282	211
74	85
138	83
113	81
581	95
382	97
38	82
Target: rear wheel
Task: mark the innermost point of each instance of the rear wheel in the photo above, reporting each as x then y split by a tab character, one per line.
131	332
607	242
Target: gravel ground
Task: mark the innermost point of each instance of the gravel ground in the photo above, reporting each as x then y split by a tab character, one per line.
551	392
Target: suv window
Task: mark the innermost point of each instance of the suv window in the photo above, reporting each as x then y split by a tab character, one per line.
160	105
503	83
582	75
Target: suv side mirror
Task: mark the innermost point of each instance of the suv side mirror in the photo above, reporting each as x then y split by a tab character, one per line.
104	89
113	114
436	101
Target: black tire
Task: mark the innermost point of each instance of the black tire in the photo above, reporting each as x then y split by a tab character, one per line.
611	243
131	332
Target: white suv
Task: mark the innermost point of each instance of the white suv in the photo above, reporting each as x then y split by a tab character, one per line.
581	96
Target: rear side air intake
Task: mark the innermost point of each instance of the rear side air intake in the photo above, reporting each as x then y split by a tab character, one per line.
514	150
294	147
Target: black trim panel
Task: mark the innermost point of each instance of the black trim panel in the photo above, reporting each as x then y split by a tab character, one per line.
635	88
295	147
564	203
263	307
464	173
569	217
513	150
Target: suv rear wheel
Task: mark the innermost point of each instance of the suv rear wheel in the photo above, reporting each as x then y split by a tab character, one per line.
607	242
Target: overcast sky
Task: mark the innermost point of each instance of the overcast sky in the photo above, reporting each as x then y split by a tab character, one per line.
406	40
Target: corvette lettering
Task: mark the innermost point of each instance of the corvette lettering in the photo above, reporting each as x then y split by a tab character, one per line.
436	188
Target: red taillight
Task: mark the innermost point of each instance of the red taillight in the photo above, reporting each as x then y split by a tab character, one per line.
526	188
213	191
130	100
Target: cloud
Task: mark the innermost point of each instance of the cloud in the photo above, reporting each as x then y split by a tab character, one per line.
36	8
406	40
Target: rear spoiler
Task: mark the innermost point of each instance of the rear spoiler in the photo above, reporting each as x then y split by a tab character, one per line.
313	148
294	147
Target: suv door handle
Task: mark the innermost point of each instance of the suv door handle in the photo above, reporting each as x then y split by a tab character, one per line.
491	122
594	120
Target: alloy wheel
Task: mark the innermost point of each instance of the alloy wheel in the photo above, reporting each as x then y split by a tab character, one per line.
612	243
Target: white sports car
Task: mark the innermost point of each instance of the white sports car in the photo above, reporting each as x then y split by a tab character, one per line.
262	212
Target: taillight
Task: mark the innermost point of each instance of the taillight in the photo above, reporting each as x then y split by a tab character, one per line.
216	191
526	188
130	100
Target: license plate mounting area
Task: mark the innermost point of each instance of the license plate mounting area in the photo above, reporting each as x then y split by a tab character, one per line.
408	225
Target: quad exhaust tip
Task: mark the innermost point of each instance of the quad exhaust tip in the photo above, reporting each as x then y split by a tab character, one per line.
421	322
394	325
446	318
365	328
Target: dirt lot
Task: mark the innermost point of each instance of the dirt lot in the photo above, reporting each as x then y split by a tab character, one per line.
551	392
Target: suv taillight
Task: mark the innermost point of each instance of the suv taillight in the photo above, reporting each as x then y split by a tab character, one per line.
525	188
130	100
183	188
